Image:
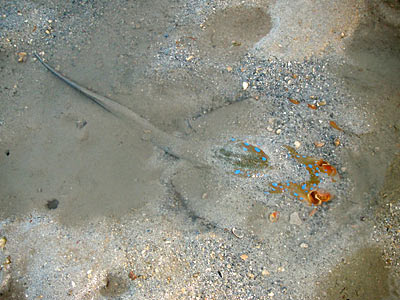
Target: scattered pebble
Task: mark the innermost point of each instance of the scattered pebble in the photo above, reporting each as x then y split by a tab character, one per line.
3	242
294	219
80	124
245	85
337	142
52	204
319	144
229	68
303	245
274	216
297	144
238	233
265	273
279	131
22	57
244	257
189	58
271	294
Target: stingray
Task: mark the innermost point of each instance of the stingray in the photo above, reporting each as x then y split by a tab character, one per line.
196	184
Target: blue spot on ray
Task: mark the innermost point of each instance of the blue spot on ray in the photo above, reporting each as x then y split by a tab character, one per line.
247	144
244	149
310	166
316	174
273	189
295	194
304	186
237	171
257	149
263	158
233	139
274	184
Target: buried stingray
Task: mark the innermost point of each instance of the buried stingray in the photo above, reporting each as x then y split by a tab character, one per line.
248	163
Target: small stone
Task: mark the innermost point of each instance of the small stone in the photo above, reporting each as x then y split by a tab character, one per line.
22	56
294	219
274	217
189	58
3	242
278	131
303	245
244	257
80	124
52	204
297	144
251	275
238	233
271	294
229	68
281	269
265	273
270	129
245	85
337	142
319	144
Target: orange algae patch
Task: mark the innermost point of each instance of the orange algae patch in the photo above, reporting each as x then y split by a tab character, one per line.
327	167
306	191
317	197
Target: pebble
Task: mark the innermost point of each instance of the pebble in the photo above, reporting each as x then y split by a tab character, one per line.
297	144
3	242
319	144
279	131
244	256
265	273
245	85
294	219
303	245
